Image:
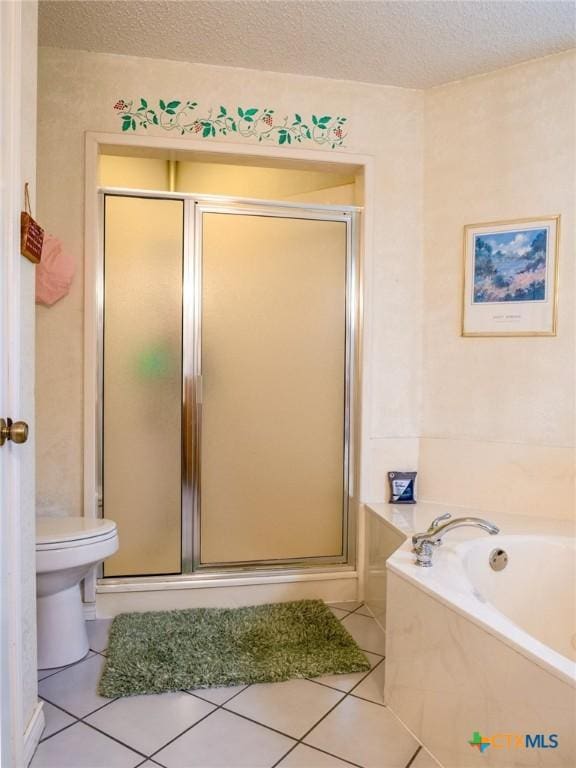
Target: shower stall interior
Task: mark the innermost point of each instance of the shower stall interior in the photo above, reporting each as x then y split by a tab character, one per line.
226	383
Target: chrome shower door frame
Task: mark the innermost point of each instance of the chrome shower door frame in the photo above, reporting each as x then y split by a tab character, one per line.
193	377
195	206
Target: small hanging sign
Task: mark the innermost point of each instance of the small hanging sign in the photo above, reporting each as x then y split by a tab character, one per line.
31	233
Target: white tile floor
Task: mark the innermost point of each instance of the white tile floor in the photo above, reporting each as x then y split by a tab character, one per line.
331	722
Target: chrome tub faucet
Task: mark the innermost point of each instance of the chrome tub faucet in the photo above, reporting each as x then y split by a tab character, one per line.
423	544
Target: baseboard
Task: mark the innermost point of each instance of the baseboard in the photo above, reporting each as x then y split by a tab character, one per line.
89	611
33	732
332	590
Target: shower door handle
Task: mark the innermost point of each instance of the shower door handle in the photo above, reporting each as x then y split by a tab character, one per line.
192	409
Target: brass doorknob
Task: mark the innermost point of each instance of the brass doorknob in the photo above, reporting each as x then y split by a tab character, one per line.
17	431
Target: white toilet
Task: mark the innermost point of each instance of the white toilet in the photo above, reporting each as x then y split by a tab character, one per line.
66	549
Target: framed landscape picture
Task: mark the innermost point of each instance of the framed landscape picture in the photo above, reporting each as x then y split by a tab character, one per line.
511	278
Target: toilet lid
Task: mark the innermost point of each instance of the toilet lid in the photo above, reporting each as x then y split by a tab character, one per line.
62	530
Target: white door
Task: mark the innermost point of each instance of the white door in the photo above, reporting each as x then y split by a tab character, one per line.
21	718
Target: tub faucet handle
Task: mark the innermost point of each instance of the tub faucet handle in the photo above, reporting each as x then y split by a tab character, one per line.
423	544
437	520
424	553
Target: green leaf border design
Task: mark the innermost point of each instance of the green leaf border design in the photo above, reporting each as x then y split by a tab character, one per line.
183	117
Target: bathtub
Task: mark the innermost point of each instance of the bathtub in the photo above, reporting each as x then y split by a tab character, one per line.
472	651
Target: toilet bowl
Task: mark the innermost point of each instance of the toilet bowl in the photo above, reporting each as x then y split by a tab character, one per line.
66	549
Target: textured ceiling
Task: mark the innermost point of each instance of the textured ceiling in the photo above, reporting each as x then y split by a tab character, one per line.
414	43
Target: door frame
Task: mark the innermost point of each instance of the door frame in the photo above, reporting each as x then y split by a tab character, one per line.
11	674
97	143
19	731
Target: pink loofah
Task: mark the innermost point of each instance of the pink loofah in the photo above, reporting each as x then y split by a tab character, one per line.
54	273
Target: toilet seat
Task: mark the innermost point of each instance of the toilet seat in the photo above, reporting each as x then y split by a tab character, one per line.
69	532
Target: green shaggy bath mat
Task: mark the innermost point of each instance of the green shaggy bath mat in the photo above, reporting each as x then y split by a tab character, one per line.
207	647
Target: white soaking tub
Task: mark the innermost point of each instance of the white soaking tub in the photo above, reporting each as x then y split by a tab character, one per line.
533	598
471	650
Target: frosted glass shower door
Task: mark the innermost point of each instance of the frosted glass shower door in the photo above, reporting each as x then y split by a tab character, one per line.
273	364
142	382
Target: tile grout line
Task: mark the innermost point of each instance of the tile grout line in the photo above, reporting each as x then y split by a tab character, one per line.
333	687
109	736
64	728
80	717
83	721
316	749
205	701
414	756
351	612
74	663
66	712
349	693
257	722
67	666
370	701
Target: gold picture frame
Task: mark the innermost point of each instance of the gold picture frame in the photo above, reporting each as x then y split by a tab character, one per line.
510	277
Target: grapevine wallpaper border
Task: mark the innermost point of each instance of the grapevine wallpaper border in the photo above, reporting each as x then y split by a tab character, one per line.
183	117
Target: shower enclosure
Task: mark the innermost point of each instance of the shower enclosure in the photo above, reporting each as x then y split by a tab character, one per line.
227	348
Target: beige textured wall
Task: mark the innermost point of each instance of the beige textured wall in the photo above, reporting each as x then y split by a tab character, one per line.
77	92
498	413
